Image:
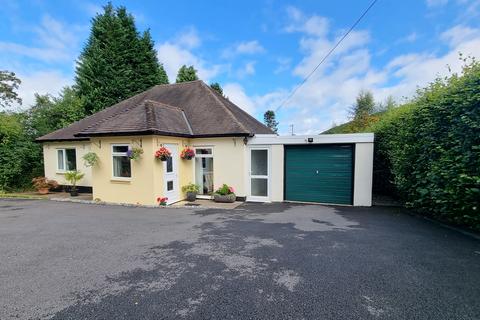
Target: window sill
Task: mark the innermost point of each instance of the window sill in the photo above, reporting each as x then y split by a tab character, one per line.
121	180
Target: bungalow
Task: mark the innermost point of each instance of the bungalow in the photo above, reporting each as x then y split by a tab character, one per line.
230	147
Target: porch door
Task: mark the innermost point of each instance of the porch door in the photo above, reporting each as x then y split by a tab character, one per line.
259	173
170	174
204	171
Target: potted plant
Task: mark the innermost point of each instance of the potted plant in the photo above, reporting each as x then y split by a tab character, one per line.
134	153
163	154
90	159
187	153
191	190
43	185
224	194
73	177
162	201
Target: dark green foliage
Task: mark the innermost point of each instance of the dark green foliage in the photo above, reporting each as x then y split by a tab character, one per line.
186	74
364	106
117	62
51	113
20	157
8	85
430	149
216	86
270	121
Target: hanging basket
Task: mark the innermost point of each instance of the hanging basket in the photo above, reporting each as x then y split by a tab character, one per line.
163	154
187	153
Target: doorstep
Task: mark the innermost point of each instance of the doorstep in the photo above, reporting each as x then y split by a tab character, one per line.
204	203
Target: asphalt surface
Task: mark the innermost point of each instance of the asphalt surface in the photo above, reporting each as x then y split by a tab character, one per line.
259	261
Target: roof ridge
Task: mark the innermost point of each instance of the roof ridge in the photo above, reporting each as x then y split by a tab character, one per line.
210	90
177	83
162	103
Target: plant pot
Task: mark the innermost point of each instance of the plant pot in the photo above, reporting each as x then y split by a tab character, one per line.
73	193
43	190
191	196
228	198
164	158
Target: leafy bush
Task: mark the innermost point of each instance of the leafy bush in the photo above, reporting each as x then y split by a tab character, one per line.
428	150
73	177
191	188
44	183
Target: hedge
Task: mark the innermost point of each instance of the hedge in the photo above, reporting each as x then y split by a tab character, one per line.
431	149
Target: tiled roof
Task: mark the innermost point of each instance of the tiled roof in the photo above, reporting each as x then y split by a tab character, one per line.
190	109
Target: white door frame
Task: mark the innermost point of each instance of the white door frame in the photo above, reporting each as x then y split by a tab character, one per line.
174	194
250	176
201	146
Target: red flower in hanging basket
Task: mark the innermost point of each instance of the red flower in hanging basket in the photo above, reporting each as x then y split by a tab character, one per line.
163	154
187	153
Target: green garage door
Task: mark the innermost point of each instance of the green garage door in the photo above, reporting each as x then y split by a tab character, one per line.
319	173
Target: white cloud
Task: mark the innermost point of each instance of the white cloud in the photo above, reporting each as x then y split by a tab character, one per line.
174	54
314	25
283	65
57	42
237	95
243	48
41	82
189	38
326	97
247	70
436	3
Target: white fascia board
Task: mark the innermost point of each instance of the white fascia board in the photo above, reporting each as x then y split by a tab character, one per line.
266	139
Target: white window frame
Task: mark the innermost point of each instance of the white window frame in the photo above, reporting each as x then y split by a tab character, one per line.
120	154
64	152
204	196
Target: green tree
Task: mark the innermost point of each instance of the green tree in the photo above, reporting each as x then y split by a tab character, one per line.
364	106
20	157
116	62
217	87
186	74
8	85
270	121
51	113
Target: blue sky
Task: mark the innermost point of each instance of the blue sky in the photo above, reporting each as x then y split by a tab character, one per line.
259	50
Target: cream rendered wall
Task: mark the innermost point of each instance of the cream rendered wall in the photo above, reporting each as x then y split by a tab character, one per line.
229	164
362	194
139	188
50	161
276	172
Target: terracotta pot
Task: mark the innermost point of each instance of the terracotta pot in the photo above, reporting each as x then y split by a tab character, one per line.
229	198
43	190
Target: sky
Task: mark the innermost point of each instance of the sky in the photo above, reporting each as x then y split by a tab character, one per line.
259	51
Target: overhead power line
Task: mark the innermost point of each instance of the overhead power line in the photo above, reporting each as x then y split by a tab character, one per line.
327	55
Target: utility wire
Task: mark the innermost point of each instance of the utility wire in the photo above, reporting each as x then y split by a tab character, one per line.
327	55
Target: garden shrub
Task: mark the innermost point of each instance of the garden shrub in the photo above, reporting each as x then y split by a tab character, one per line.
432	146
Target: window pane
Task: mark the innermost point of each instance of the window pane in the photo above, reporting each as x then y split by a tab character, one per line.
60	160
201	151
169	164
121	167
169	185
260	162
259	187
204	175
120	148
71	159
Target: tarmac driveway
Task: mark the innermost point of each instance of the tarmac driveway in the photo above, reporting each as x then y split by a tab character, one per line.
259	261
